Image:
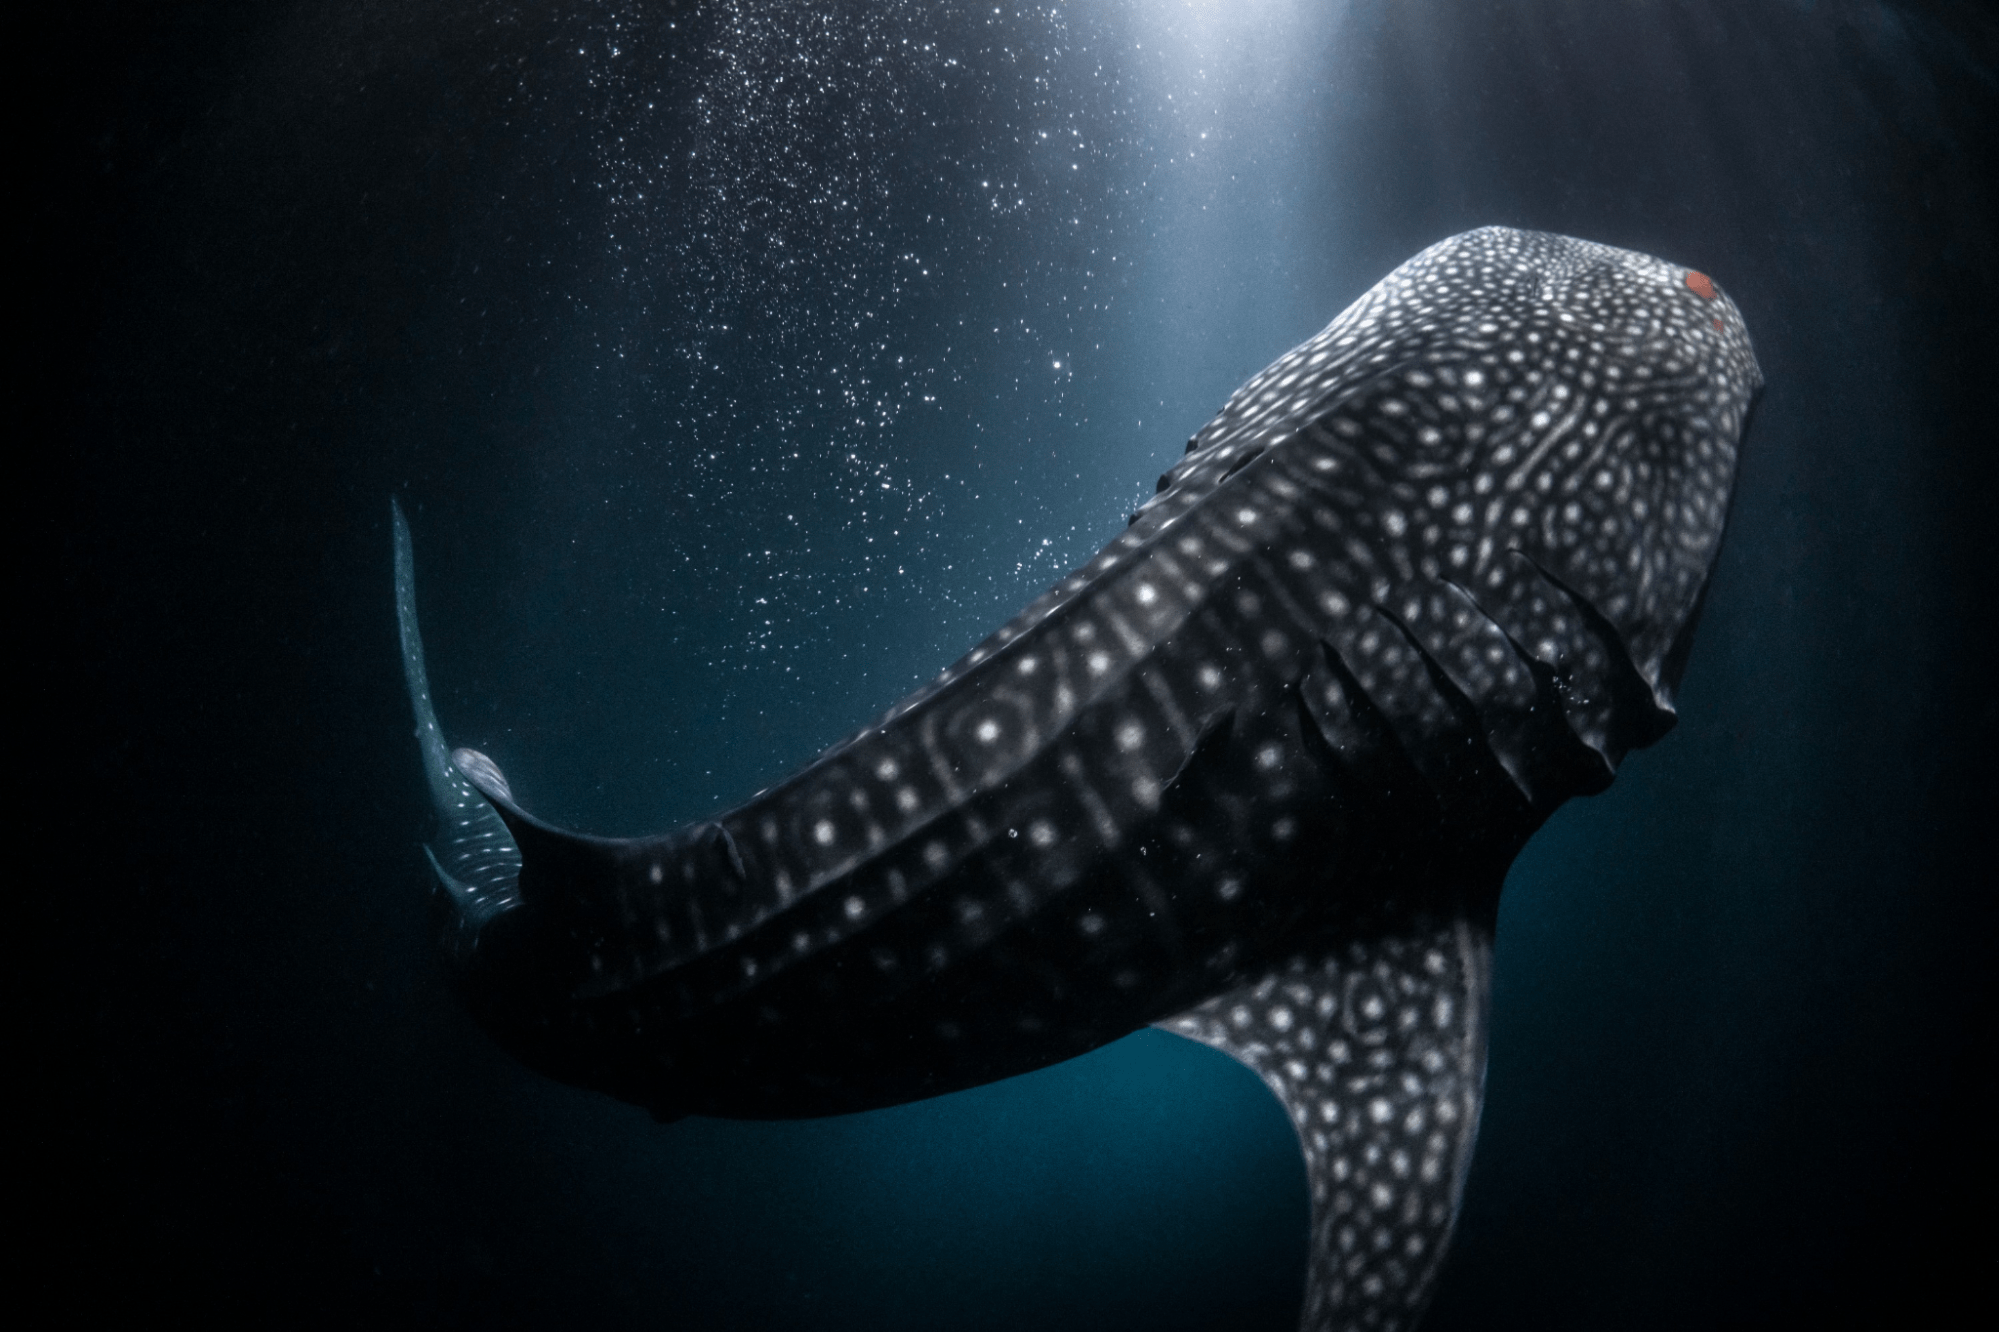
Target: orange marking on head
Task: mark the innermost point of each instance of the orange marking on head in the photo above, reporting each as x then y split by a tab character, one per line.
1700	284
1717	323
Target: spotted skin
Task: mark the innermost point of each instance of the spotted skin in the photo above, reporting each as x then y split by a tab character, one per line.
1377	1051
1429	575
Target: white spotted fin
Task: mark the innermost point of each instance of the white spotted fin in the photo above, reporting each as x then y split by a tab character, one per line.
476	860
1377	1050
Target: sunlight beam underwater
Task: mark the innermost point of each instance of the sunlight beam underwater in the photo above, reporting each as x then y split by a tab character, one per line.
1254	774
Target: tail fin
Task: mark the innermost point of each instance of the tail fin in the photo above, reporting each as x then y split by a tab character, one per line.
474	856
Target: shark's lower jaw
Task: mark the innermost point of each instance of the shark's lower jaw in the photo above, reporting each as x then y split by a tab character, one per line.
1254	774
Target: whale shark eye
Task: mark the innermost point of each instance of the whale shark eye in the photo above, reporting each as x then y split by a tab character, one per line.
1700	284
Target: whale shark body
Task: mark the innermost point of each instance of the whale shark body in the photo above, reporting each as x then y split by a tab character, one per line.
1254	774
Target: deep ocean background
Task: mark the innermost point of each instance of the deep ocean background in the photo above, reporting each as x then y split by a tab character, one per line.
740	365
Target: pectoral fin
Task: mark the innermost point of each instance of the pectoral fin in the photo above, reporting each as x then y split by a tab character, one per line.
1377	1050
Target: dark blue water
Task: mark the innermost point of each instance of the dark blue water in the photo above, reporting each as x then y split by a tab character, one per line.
739	366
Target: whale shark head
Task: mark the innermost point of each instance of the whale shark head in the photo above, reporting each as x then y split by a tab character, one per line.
1518	409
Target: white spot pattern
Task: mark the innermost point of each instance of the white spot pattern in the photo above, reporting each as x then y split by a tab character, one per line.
1508	463
1385	1107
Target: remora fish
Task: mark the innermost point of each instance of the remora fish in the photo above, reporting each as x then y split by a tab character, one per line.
1253	774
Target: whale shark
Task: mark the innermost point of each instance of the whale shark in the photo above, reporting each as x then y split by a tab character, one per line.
1253	775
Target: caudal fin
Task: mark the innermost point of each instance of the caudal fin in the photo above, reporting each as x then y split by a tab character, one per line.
474	856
